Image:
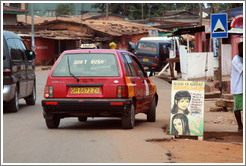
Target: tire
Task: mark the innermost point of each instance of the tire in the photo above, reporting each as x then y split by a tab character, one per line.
151	114
128	120
31	99
52	123
13	105
82	119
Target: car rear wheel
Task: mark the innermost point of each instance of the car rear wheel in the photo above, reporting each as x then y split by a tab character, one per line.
13	105
53	123
128	120
151	114
31	100
82	119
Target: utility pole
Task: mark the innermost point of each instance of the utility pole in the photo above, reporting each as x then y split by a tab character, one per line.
33	41
106	11
220	66
200	21
142	11
149	10
162	17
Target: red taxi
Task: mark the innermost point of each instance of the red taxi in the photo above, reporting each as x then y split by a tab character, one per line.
98	83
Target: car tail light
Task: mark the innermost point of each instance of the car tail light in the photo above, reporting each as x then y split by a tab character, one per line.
155	60
48	92
122	92
7	72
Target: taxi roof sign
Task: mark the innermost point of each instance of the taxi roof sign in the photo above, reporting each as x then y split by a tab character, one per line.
87	46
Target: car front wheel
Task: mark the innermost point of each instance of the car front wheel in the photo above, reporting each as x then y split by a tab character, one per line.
13	105
31	100
151	114
82	119
128	120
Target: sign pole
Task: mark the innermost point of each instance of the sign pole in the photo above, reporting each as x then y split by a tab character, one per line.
220	66
219	30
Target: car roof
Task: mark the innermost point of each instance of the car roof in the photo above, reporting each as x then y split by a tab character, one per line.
8	34
93	51
155	41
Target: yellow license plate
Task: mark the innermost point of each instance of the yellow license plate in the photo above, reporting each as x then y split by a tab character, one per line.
85	90
145	60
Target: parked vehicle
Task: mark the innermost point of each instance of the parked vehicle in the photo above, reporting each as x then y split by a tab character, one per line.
18	72
152	52
98	83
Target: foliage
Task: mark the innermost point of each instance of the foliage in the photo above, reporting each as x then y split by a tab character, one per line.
155	9
65	9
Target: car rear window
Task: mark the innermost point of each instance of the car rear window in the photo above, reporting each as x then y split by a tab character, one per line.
147	47
87	65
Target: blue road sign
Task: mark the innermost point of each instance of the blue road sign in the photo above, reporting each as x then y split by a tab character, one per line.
219	26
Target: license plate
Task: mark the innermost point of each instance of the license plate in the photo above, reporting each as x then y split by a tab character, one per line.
145	60
85	90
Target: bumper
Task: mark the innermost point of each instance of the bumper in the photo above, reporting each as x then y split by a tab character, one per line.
8	92
85	107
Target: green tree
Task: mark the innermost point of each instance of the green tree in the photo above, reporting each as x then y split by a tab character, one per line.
65	9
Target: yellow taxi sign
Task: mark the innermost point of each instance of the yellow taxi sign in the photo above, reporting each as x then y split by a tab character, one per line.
84	46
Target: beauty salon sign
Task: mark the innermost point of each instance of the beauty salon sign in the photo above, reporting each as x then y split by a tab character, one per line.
187	108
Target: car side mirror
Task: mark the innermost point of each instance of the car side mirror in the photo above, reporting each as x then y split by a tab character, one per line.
150	73
30	54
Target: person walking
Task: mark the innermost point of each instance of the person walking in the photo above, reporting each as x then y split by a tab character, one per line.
112	45
237	84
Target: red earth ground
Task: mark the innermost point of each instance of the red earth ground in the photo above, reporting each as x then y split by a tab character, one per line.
221	143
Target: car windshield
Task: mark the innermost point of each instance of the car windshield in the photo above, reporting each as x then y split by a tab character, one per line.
87	65
147	47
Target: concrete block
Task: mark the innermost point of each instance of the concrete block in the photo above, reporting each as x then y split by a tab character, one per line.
215	94
227	96
220	103
229	103
216	109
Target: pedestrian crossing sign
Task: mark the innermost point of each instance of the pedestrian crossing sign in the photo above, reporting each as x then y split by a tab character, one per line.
219	26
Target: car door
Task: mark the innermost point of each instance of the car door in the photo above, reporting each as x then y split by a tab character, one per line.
146	85
30	69
18	66
136	80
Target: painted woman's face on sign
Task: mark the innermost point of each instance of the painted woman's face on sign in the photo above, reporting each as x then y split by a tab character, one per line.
183	103
177	123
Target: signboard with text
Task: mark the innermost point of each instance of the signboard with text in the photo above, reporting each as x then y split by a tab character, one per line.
187	108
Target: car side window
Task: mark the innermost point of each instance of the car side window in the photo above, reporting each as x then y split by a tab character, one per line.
139	68
20	48
131	65
13	50
126	66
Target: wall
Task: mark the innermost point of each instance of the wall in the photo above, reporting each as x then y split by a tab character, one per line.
234	42
123	45
193	65
226	52
199	40
45	50
9	19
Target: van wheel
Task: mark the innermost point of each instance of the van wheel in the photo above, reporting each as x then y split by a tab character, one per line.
31	100
53	123
82	119
151	114
128	120
13	105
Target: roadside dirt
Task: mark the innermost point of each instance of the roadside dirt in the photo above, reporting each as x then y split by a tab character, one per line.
221	143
